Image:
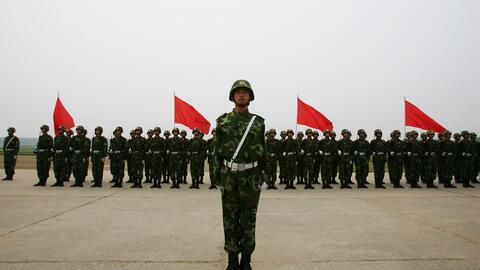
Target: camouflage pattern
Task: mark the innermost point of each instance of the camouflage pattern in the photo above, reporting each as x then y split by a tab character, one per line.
166	159
334	159
240	189
362	157
467	152
281	158
118	153
395	158
43	153
211	160
272	148
157	149
447	160
196	152
79	150
318	159
98	154
129	159
60	158
309	148
414	149
175	148
289	148
379	149
11	146
345	152
431	151
69	134
327	149
184	158
148	157
138	150
300	159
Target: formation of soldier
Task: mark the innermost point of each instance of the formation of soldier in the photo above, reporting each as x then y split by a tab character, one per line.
291	159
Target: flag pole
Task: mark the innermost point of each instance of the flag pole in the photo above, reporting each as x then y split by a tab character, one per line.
404	116
296	118
173	109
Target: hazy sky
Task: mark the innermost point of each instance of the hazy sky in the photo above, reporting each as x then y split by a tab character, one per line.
119	62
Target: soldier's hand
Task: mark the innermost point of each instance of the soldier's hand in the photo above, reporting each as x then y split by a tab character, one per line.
284	154
339	152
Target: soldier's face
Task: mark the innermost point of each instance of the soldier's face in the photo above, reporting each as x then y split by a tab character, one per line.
61	132
326	135
414	136
79	132
167	135
290	135
196	134
157	133
283	136
98	132
346	136
241	97
138	132
378	135
44	130
10	133
150	134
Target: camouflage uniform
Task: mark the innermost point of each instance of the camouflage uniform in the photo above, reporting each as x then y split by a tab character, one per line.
148	157
446	166
43	152
78	153
69	157
196	151
309	146
458	158
60	159
467	151
415	153
431	155
273	153
129	159
318	159
138	151
395	158
289	153
98	154
211	160
11	146
281	158
88	146
166	159
204	157
157	150
476	158
345	151
379	149
184	158
327	150
240	178
334	160
362	157
118	152
300	159
175	148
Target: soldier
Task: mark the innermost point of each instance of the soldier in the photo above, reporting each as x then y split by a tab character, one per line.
241	165
289	149
397	150
129	159
88	146
327	148
379	150
273	153
300	159
333	136
11	146
195	153
439	157
185	159
98	154
60	160
424	173
78	153
174	150
310	148
157	150
148	157
138	150
204	156
458	163
476	158
414	153
446	166
467	149
166	159
281	158
431	154
69	161
316	165
345	150
211	160
43	152
362	157
406	160
118	153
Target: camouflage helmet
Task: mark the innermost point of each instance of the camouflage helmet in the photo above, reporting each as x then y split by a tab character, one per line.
361	131
150	131
333	133
396	131
61	128
69	131
377	131
413	132
346	131
283	133
290	131
139	129
473	134
99	128
327	131
447	132
315	133
195	130
241	84
213	131
429	132
166	132
81	128
272	131
457	135
423	135
46	127
175	130
308	131
157	129
132	132
118	129
465	133
183	132
300	133
11	129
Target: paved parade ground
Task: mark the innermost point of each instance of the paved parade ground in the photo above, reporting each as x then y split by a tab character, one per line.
85	228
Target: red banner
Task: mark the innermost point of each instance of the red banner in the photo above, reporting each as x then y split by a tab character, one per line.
309	116
61	117
414	117
187	115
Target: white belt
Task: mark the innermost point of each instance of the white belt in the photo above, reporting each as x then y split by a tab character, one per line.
117	152
96	151
156	152
240	166
291	153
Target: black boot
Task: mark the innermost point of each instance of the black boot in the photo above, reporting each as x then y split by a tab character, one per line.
245	262
233	262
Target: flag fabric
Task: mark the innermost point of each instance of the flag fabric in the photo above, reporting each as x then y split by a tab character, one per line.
309	116
414	117
187	115
61	117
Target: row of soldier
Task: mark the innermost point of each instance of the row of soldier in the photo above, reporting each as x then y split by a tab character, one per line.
306	160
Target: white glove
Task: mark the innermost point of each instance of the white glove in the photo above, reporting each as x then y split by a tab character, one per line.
392	153
444	154
339	152
168	152
284	154
409	153
302	151
356	153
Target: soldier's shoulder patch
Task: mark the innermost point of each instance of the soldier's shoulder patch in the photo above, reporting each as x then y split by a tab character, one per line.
221	117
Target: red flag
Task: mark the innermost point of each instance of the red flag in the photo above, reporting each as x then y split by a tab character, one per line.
186	114
414	117
309	116
61	117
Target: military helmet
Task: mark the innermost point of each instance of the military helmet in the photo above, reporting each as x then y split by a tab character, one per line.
396	131
361	131
333	133
327	131
283	133
81	128
45	127
300	133
272	131
62	128
140	129
290	131
118	129
465	133
377	131
149	131
423	135
213	131
429	132
413	132
241	84
166	132
346	131
447	132
11	129
473	134
132	132
315	132
195	130
308	131
457	135
157	129
99	128
176	130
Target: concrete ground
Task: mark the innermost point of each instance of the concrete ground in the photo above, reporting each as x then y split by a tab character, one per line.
85	228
